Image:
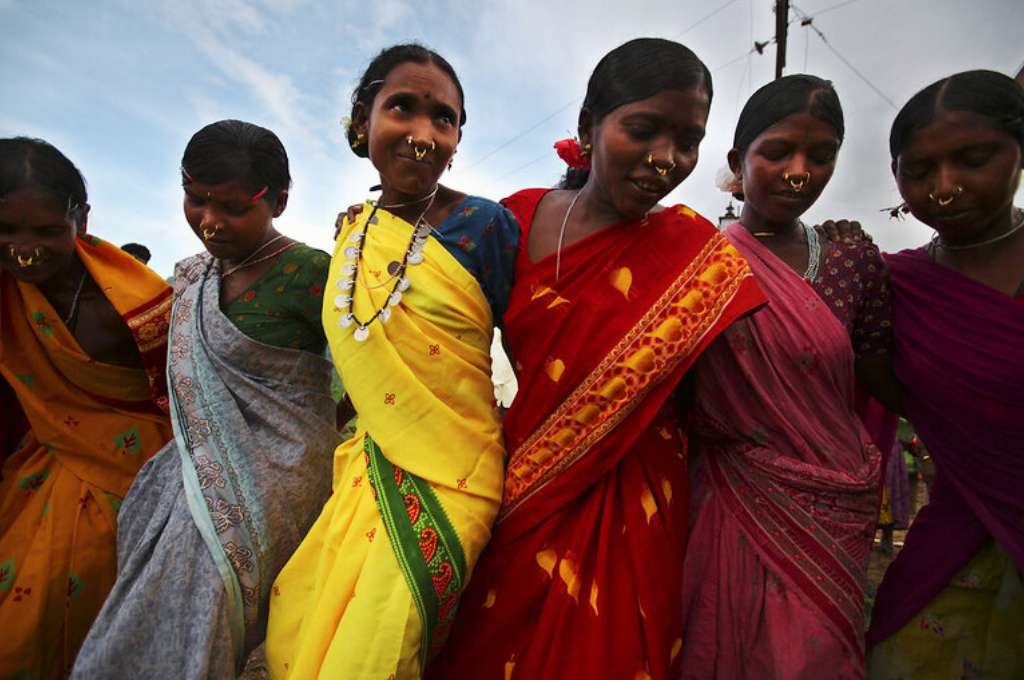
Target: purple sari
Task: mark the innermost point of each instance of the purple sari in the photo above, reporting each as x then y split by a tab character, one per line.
959	354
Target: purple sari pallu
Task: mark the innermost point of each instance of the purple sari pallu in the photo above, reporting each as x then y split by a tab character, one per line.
959	353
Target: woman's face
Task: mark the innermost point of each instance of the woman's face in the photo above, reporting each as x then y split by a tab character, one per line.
37	236
958	175
666	128
786	167
413	128
227	220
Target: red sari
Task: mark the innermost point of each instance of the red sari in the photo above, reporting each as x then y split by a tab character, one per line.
583	574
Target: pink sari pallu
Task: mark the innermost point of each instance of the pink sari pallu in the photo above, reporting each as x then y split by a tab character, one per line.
785	492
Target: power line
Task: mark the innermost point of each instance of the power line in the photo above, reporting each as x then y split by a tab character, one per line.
806	22
744	55
524	166
704	18
520	135
536	125
832	7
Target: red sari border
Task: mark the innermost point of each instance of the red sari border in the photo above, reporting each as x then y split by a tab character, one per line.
663	337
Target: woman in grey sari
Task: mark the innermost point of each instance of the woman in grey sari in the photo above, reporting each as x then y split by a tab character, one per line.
213	517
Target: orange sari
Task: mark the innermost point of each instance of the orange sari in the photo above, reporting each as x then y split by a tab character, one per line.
92	426
583	574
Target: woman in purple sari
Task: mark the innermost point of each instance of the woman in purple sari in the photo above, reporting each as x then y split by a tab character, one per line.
952	604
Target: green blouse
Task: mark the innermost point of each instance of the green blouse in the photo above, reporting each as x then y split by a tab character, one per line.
282	308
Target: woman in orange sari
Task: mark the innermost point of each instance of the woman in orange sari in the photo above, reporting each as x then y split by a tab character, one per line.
83	337
615	297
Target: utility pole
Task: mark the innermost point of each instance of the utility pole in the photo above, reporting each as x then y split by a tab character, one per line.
781	32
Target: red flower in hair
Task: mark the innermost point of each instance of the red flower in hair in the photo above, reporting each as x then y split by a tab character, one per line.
569	151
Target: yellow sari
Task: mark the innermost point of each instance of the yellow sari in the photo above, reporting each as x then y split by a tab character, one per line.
373	588
92	426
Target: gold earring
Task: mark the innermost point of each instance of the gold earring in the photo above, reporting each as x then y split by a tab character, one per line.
585	151
358	141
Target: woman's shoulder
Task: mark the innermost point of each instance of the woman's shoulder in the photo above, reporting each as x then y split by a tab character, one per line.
863	251
304	254
478	213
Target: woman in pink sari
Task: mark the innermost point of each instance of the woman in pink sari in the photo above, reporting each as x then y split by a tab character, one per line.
785	479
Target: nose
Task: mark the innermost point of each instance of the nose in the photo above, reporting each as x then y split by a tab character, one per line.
946	181
798	166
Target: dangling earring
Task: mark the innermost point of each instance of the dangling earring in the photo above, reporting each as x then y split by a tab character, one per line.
451	162
585	151
358	141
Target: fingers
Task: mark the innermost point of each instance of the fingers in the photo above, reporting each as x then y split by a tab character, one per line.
843	231
338	222
349	215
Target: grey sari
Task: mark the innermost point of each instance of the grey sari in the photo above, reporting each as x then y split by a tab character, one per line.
214	516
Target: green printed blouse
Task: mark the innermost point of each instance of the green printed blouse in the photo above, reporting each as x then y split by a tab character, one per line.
282	307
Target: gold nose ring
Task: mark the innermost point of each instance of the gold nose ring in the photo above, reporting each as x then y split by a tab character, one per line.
946	200
25	261
661	168
210	233
797	184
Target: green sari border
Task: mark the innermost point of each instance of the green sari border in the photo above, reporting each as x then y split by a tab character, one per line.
426	546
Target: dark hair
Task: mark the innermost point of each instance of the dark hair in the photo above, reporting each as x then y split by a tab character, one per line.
633	71
779	99
232	150
378	70
138	251
27	163
986	93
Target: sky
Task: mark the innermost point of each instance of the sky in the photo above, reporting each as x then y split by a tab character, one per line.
120	86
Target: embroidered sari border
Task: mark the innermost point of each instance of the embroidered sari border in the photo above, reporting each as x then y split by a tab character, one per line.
663	337
804	552
426	546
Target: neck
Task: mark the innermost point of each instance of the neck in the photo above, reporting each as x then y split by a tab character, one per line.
68	280
756	223
414	206
1004	224
593	210
271	233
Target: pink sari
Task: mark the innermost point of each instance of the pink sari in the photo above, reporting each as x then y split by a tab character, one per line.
785	488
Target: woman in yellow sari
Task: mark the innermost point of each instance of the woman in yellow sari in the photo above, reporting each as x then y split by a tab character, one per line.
83	336
409	314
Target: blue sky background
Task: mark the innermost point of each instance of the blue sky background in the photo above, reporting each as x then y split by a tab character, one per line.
120	86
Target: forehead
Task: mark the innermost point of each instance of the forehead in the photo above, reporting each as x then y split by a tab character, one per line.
225	191
426	80
951	131
31	206
678	108
797	127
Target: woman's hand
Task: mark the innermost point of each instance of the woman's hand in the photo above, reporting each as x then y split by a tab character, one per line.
351	214
843	231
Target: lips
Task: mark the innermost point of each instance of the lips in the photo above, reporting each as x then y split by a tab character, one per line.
426	160
649	185
953	216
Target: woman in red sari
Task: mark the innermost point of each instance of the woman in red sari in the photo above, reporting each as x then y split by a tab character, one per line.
614	299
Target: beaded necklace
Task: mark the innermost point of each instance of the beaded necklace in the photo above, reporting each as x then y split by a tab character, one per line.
397	270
